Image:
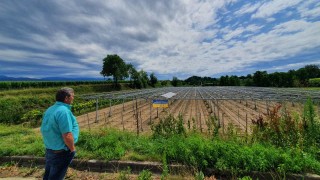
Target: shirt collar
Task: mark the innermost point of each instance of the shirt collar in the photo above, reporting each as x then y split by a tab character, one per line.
63	104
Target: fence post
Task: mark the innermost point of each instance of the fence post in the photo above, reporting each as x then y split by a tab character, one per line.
97	108
150	112
137	116
122	120
222	119
105	118
88	121
110	107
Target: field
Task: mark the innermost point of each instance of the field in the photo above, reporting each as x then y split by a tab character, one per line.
198	106
195	130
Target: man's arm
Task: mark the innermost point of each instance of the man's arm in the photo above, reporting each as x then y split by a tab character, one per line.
69	141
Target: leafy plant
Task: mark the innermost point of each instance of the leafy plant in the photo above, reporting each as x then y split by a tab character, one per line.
124	175
199	176
168	127
33	117
145	175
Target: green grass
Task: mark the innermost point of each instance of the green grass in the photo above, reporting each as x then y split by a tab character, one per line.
18	140
194	149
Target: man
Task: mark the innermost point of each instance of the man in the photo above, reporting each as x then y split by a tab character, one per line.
60	132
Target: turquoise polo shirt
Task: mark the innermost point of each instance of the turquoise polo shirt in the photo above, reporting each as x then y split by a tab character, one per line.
58	120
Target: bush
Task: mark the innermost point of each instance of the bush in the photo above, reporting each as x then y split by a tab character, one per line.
314	82
145	175
168	127
286	131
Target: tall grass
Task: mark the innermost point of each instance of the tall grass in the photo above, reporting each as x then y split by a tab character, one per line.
284	130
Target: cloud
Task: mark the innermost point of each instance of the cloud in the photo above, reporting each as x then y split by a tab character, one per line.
170	38
272	7
248	8
292	66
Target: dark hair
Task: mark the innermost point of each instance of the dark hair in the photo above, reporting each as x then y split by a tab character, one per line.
63	93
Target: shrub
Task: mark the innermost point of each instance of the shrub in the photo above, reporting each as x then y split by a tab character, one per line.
168	127
145	175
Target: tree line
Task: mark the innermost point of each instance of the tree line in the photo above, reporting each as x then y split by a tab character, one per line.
114	65
308	76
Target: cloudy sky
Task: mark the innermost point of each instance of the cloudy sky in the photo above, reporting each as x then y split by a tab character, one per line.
181	38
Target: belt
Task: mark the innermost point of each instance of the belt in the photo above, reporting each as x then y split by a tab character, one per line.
57	151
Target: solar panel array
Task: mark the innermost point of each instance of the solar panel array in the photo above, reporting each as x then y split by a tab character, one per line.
214	93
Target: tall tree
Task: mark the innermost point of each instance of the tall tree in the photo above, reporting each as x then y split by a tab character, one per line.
260	79
175	81
153	80
144	78
114	66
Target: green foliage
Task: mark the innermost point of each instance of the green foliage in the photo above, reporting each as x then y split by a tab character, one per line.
292	78
175	81
169	126
33	117
125	174
260	79
213	126
18	140
165	171
7	85
229	81
164	83
245	178
311	125
314	82
139	79
286	131
153	80
114	66
199	176
145	175
16	103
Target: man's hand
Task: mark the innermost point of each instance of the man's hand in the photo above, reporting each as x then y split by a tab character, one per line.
69	141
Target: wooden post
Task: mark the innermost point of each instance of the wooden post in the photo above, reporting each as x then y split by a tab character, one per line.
122	120
141	128
222	124
200	122
267	103
157	112
150	114
239	117
123	105
88	121
105	118
97	108
255	104
109	107
137	117
246	128
246	124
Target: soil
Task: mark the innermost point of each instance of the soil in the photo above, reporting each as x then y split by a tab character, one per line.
14	172
240	113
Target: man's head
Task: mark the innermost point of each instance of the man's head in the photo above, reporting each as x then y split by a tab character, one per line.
65	95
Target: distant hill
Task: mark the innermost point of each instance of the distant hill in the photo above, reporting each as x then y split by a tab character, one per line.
8	78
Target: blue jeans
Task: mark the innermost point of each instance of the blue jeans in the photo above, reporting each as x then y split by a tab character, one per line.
57	164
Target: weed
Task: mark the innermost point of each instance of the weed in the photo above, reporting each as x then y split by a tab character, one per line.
199	176
145	175
125	174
